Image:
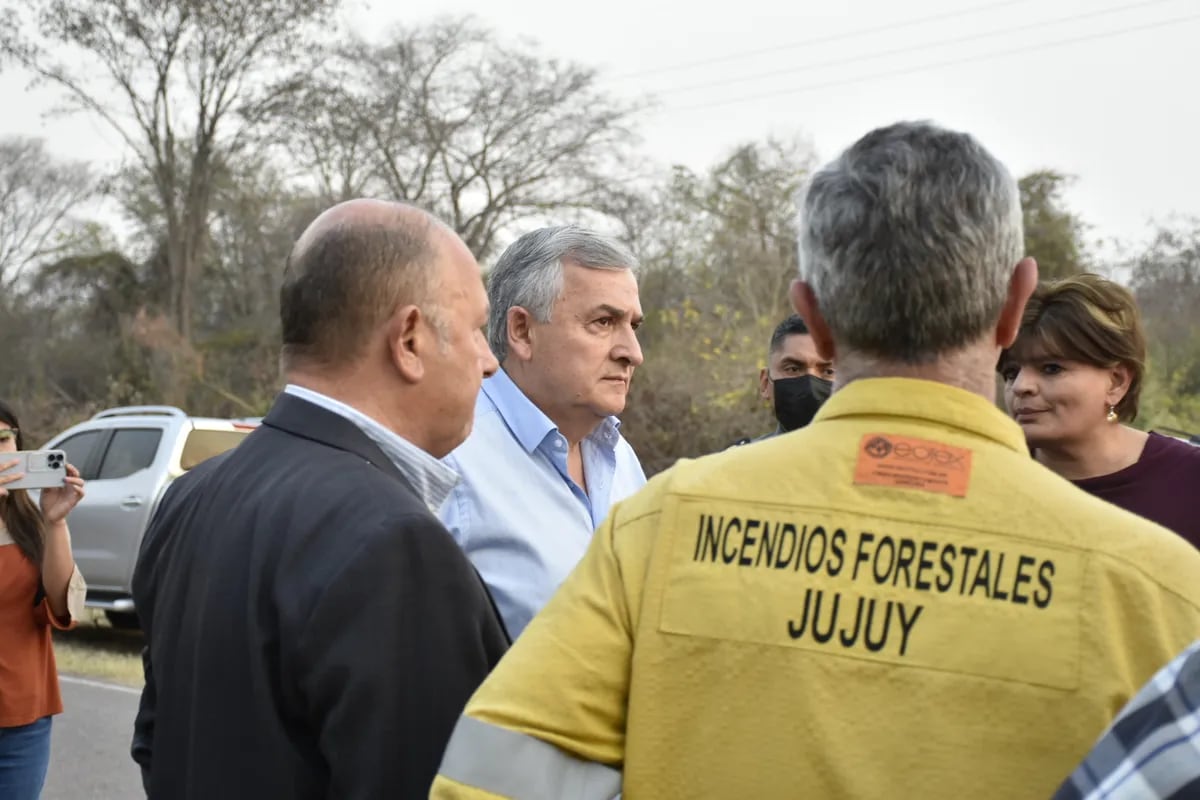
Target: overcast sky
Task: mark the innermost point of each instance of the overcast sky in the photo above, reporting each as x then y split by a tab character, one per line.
1104	90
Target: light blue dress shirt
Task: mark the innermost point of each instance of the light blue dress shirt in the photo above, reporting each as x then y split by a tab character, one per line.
516	512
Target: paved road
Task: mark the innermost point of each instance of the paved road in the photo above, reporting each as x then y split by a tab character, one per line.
89	757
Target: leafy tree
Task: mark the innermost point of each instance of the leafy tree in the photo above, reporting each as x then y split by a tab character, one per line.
714	283
1166	279
484	134
180	81
1053	234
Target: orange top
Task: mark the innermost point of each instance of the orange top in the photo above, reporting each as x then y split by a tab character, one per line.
28	676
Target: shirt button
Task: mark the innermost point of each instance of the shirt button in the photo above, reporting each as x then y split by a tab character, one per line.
559	444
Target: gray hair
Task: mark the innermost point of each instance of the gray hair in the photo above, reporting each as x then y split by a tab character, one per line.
529	274
909	239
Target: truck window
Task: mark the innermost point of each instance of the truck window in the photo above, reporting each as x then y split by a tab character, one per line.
130	450
202	445
80	450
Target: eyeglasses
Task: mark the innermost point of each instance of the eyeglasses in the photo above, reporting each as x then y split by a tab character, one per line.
8	433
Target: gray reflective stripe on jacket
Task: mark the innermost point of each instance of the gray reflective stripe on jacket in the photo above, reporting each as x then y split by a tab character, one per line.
521	767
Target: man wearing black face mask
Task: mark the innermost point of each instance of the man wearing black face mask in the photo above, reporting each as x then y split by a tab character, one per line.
796	380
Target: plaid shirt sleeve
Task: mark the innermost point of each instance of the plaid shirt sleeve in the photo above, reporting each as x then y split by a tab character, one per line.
1152	748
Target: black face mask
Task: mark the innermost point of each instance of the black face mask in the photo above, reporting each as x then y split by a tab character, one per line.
797	400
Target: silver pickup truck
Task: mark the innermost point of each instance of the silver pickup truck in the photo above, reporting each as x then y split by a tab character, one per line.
129	456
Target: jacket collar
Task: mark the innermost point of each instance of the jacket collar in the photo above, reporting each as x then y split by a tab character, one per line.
929	401
307	420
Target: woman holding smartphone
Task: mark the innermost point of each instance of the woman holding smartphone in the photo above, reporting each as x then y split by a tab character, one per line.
40	589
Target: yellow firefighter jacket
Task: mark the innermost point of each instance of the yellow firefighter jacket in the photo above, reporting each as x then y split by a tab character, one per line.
893	602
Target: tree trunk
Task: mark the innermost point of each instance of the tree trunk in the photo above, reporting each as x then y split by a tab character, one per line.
176	267
183	302
195	237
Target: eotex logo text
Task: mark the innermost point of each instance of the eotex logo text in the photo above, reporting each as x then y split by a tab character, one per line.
881	447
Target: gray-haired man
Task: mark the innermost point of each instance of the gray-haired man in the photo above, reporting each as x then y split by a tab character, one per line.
546	460
895	600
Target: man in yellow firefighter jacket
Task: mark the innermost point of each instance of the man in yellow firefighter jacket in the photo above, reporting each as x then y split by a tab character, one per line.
895	601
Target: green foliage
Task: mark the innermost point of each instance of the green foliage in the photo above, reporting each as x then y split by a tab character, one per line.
716	273
698	390
1053	234
1166	279
225	165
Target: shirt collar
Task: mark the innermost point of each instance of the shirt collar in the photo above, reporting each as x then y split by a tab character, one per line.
934	402
432	480
528	423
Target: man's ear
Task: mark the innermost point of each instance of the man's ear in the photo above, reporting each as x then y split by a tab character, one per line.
1020	286
804	300
519	324
764	386
407	342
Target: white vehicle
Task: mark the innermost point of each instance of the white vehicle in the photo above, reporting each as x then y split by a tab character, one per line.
129	456
1183	436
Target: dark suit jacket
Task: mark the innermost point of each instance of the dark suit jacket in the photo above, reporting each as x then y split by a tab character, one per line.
312	630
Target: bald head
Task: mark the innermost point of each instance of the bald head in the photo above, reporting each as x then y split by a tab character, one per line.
346	274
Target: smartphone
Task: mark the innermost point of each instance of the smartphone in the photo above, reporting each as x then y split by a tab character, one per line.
43	469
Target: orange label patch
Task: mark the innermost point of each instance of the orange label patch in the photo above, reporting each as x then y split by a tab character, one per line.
906	463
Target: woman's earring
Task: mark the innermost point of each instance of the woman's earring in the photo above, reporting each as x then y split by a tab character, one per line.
1112	414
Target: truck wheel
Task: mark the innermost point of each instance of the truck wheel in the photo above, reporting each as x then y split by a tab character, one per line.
124	620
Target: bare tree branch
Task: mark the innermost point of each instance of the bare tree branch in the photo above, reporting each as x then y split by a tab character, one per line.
159	57
38	194
481	133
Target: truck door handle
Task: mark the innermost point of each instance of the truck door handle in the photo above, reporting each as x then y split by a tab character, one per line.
132	502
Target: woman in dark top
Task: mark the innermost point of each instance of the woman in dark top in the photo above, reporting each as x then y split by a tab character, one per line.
1072	382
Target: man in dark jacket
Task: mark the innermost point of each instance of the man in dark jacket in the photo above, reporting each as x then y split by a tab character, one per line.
312	631
796	380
